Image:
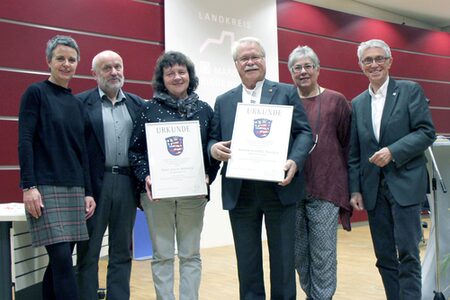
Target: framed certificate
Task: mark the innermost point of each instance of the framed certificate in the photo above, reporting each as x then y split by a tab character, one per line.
175	159
260	142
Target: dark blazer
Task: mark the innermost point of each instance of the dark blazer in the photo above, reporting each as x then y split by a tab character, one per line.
299	145
406	130
95	140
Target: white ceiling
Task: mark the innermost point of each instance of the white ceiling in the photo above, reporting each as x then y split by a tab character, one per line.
429	14
433	12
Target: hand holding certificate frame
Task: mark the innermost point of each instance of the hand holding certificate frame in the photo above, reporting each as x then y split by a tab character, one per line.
260	142
176	159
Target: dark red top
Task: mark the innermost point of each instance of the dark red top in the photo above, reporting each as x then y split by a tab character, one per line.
326	166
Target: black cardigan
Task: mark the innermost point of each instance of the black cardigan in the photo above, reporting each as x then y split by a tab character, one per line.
155	111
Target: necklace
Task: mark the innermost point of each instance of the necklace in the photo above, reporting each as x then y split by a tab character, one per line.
316	128
310	96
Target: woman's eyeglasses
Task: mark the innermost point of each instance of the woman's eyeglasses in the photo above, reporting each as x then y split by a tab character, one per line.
297	69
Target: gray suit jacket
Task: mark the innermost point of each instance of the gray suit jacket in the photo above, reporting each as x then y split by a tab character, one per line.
300	140
406	130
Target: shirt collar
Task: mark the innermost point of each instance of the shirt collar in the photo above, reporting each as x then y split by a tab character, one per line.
382	91
120	95
257	88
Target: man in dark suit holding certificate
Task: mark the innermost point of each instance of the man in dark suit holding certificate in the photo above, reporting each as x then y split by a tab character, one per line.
248	201
391	129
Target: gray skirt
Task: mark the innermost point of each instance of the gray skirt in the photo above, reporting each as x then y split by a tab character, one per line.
63	216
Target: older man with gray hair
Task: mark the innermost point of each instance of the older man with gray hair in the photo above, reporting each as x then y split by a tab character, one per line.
249	201
111	112
391	129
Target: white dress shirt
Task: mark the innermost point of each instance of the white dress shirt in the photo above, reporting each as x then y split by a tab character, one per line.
252	96
378	100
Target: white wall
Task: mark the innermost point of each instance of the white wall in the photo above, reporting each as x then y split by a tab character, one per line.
205	30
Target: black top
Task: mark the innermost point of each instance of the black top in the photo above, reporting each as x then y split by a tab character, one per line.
52	149
161	109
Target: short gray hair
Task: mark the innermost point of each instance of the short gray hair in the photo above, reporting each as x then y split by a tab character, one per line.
303	51
61	40
373	44
99	55
246	40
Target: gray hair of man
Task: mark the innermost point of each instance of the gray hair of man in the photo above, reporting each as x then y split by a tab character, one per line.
99	55
246	40
301	52
373	44
61	40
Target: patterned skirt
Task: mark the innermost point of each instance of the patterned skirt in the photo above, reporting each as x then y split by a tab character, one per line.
63	216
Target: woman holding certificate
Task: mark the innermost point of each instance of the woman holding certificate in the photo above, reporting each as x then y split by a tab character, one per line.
329	116
54	173
180	218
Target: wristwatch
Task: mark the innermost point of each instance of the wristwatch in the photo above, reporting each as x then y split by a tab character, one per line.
29	188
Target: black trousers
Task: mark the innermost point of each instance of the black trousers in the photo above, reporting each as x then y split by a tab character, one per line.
259	201
396	235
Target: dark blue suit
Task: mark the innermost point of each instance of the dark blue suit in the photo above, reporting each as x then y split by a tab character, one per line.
393	194
248	201
119	218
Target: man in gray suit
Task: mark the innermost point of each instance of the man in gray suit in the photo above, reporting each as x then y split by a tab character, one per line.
249	200
111	112
391	129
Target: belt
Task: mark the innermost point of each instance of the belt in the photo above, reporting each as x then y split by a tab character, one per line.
118	170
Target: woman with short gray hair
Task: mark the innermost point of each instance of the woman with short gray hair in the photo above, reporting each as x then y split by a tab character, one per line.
327	195
54	173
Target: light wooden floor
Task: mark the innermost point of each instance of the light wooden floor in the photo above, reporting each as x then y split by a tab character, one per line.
358	277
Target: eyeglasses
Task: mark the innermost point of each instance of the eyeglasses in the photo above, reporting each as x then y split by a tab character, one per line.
245	59
379	60
298	68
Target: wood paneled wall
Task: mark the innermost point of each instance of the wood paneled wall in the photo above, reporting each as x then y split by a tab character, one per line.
419	55
135	29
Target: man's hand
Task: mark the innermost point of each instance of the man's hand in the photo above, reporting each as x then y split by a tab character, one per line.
221	151
381	158
356	201
90	206
290	168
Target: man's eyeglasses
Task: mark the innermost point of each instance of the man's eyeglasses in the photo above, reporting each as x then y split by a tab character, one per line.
245	59
298	68
377	59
